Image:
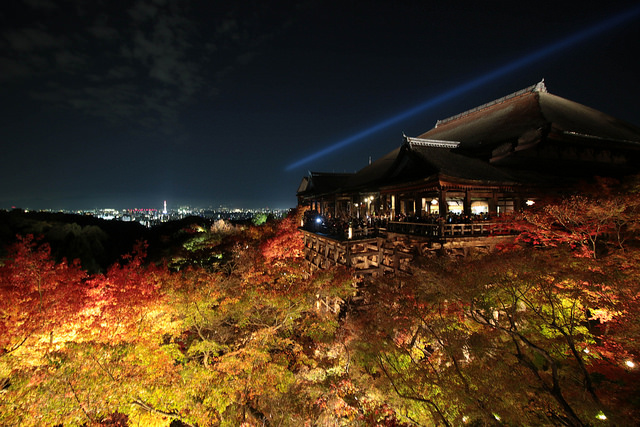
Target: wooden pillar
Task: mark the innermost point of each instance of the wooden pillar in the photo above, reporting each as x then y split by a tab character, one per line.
380	255
396	261
443	203
493	205
467	203
518	203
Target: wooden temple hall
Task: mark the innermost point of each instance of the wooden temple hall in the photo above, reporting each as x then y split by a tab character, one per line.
442	190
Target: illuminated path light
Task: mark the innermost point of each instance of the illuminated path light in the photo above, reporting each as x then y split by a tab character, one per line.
565	43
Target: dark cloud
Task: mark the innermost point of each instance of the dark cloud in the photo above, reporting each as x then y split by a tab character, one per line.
134	65
32	39
121	72
13	69
102	31
69	61
143	11
141	65
46	5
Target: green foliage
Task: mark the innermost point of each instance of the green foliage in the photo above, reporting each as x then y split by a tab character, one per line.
259	219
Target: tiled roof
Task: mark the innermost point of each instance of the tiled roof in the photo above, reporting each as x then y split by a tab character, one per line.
323	182
413	162
448	162
514	117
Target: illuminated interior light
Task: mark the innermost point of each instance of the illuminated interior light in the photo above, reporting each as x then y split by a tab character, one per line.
601	416
530	203
630	364
434	201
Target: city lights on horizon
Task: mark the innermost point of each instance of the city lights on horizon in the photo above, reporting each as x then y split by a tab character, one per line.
150	217
164	208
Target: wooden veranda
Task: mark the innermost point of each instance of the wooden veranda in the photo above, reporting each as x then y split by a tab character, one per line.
390	250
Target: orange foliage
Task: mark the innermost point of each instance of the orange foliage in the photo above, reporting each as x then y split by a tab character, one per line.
128	299
37	296
287	244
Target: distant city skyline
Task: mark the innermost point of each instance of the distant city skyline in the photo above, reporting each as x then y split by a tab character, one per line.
159	207
88	203
150	217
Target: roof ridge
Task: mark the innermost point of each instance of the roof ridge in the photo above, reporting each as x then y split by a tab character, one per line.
424	142
538	87
330	173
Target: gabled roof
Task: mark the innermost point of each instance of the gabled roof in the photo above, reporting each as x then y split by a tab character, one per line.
322	182
526	115
447	162
574	118
380	170
414	161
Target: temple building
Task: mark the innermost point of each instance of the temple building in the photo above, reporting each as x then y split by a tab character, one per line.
488	160
485	162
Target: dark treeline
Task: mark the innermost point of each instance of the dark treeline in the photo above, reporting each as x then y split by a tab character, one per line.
96	242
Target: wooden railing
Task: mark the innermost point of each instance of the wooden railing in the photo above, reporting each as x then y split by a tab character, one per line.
363	233
447	230
430	230
414	228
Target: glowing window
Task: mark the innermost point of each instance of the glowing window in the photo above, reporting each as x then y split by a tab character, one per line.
455	206
479	207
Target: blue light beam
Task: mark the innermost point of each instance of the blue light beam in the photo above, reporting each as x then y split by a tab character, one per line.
521	62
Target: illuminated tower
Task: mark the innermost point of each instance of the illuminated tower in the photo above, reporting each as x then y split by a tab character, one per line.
164	211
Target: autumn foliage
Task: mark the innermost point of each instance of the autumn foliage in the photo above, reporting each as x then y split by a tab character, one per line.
235	329
140	344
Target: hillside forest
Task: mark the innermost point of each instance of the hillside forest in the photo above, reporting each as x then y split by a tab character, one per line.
219	324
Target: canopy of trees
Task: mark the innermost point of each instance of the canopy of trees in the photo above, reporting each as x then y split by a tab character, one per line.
233	329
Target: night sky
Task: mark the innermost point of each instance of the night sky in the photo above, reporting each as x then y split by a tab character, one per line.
209	102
